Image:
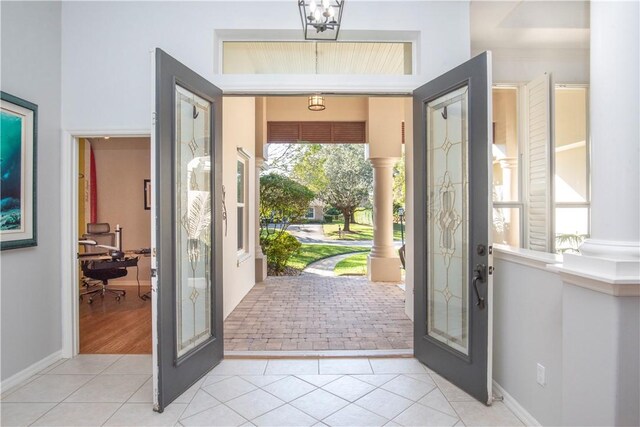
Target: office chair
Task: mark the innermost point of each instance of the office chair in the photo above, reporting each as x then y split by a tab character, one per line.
100	233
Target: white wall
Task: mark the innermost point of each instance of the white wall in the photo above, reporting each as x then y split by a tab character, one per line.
106	45
528	330
238	130
30	290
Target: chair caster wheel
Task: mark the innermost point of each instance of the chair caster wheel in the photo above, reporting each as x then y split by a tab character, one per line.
90	301
124	293
117	298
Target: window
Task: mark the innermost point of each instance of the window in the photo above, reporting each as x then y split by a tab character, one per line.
310	214
282	57
540	196
242	199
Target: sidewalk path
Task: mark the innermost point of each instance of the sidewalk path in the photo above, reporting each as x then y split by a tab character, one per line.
313	234
325	267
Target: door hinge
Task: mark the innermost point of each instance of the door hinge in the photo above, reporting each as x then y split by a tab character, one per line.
153	118
490	249
154	272
491	269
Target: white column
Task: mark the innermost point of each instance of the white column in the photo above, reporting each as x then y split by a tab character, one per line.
261	260
383	262
615	136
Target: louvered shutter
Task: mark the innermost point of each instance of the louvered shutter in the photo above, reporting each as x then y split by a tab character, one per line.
538	164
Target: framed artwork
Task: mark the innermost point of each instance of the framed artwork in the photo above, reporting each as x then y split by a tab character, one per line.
147	194
18	147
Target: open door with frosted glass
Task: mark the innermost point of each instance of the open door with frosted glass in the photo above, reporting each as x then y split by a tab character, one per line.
453	266
187	221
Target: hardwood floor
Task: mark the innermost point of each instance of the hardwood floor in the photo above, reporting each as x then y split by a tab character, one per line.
116	327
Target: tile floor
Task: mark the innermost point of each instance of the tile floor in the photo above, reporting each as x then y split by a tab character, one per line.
114	390
311	312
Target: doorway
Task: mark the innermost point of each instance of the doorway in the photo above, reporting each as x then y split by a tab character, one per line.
114	211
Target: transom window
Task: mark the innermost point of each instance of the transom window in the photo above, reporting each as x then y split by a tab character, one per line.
289	57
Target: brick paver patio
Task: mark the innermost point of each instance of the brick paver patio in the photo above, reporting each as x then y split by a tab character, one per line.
311	312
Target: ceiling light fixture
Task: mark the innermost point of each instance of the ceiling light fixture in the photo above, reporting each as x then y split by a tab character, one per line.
316	103
323	16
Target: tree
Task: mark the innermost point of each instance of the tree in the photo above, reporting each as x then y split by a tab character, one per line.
349	179
308	168
399	190
282	201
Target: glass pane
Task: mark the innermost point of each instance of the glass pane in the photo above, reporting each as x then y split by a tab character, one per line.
194	216
506	226
505	145
281	57
240	228
448	219
240	181
572	227
571	147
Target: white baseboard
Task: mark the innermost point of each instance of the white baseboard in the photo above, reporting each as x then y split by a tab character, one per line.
515	406
30	371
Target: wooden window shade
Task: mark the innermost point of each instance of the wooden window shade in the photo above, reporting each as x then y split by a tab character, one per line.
316	132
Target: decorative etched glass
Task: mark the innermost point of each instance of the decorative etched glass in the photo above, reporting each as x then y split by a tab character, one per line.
448	220
193	220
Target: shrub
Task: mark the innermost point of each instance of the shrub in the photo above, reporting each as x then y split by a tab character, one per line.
328	219
279	248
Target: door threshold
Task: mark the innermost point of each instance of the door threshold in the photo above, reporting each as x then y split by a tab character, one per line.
316	354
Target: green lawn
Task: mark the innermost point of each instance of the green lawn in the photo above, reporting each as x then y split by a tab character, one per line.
358	232
355	265
311	253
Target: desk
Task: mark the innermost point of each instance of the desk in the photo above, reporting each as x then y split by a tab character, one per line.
106	262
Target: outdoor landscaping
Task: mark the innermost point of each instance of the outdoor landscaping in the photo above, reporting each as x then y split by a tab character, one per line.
310	253
358	232
355	265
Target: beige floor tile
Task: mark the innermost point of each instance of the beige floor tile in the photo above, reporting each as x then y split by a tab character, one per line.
109	388
144	394
419	415
254	404
450	391
436	400
221	415
408	387
292	367
319	403
48	388
6	392
477	414
289	388
262	380
229	388
190	393
142	414
239	367
348	388
137	364
78	414
354	416
345	366
86	364
22	414
318	380
284	416
384	403
200	402
375	380
397	366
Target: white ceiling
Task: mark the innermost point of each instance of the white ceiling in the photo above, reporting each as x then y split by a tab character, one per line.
529	25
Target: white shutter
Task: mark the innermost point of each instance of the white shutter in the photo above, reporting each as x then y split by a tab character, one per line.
538	164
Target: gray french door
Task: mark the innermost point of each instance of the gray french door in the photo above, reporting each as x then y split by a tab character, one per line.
188	339
453	273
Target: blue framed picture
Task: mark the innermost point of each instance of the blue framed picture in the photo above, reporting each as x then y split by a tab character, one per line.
18	146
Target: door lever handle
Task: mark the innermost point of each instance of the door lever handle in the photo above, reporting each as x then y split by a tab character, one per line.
479	274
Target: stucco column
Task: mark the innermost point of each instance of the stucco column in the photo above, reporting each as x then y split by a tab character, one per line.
261	260
601	287
383	262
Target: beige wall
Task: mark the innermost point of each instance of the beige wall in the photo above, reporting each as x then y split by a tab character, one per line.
122	165
384	126
339	108
238	130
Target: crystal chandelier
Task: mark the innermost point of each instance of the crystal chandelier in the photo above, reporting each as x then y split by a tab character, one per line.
321	18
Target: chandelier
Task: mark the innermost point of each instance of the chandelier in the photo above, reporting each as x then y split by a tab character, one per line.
323	16
316	103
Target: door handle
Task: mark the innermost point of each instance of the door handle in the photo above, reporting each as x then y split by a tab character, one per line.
479	275
224	209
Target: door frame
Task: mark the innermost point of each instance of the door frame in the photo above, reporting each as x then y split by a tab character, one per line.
69	230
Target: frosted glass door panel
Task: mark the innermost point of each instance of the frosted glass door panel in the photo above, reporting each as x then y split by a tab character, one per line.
448	220
193	220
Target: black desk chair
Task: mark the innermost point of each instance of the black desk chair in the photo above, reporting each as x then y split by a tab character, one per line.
99	269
